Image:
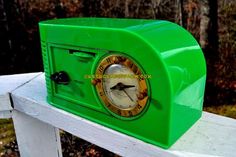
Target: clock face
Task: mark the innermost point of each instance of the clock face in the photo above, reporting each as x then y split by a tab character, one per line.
121	86
121	91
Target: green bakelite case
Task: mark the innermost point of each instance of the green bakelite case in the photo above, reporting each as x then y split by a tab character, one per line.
162	49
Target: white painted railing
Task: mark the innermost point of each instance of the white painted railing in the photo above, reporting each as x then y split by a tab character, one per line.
36	123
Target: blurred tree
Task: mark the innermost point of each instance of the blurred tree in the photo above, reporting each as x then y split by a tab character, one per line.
19	36
4	40
209	27
209	43
212	22
179	12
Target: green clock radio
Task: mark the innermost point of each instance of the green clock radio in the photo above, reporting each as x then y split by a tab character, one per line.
144	78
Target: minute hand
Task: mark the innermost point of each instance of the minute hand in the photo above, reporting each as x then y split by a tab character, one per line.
127	95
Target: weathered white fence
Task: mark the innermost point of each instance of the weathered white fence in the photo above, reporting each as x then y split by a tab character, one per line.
36	123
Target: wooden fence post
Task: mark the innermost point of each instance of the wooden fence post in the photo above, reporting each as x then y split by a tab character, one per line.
36	138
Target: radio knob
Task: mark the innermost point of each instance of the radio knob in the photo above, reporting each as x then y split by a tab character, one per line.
60	78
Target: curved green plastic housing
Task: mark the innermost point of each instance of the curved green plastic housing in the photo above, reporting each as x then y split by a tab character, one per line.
162	49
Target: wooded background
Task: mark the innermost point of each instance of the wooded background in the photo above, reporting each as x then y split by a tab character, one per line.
212	23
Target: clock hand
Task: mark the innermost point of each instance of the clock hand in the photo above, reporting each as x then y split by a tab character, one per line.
127	95
114	87
118	86
128	86
121	86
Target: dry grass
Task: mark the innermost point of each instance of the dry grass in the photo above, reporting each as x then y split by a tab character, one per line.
7	138
76	147
224	110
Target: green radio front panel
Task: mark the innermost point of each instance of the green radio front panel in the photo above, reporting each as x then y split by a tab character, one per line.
161	100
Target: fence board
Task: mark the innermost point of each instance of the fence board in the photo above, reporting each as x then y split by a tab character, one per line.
212	135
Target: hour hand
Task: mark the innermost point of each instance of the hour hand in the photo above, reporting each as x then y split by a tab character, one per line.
114	87
121	86
128	86
118	86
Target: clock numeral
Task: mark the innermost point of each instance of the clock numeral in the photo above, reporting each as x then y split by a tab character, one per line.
121	59
137	72
135	69
131	65
108	60
130	113
139	106
108	104
101	93
101	68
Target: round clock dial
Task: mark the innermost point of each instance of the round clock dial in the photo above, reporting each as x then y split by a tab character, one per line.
121	91
120	86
